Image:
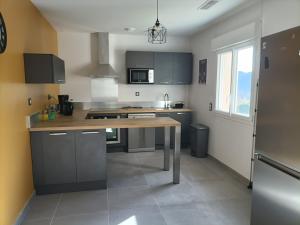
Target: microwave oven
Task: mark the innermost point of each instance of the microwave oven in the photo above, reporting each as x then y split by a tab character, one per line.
140	76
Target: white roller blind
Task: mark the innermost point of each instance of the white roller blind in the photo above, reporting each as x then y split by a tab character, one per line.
236	36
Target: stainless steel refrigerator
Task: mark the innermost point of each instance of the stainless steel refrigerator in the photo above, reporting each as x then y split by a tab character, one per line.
276	183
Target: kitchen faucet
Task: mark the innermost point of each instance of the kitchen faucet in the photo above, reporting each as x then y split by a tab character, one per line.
166	100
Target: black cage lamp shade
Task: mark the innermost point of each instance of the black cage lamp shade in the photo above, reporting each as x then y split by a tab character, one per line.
157	34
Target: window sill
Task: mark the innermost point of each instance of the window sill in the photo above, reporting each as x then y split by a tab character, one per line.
235	118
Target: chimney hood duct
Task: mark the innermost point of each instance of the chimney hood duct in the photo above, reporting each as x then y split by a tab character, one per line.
103	69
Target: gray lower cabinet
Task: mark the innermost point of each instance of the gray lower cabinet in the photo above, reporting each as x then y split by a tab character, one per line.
91	155
59	157
67	161
185	118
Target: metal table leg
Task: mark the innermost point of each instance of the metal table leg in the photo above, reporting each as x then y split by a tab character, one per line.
176	156
167	149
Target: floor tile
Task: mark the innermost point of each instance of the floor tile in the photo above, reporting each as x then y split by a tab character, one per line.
131	197
37	222
230	212
211	190
83	219
127	181
82	202
138	216
42	206
181	216
170	194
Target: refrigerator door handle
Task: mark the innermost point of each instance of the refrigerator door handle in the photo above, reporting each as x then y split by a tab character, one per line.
278	166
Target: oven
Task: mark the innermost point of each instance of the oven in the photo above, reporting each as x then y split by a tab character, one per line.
140	76
113	135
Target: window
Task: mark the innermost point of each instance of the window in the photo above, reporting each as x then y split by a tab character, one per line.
234	83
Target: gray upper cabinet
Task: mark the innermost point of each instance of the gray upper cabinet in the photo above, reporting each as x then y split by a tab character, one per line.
169	67
43	68
59	158
163	67
91	155
182	68
138	59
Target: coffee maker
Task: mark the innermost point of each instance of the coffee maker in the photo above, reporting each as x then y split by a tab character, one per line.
65	107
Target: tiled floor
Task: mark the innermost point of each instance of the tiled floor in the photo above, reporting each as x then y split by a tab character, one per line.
140	193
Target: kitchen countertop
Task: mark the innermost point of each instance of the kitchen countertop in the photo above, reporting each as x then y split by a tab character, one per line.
139	110
78	121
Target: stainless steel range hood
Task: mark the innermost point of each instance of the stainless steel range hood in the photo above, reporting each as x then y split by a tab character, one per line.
103	69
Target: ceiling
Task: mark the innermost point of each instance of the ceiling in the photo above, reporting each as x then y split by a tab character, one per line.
181	17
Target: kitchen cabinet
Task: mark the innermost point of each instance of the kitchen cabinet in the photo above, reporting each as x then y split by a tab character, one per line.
185	118
163	62
182	68
59	157
170	68
90	155
68	161
44	68
139	59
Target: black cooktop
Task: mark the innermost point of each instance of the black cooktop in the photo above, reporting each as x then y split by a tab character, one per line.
132	107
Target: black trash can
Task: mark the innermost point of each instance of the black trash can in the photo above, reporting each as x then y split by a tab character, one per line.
199	140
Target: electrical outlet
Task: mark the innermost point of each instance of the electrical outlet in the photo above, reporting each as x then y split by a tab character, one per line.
137	93
29	101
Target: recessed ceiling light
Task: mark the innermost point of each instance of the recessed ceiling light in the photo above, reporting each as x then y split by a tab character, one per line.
129	29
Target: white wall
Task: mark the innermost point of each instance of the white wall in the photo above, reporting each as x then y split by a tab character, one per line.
231	140
79	50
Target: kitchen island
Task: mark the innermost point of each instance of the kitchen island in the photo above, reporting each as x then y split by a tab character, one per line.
82	136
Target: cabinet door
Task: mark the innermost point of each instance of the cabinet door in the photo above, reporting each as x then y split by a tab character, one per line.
160	132
91	155
58	70
59	158
163	64
182	68
185	118
135	59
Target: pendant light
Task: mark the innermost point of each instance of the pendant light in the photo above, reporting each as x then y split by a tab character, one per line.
157	34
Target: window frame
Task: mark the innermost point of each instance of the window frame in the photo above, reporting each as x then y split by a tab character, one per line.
234	50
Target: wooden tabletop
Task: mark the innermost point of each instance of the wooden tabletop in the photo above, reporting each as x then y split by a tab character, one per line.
73	124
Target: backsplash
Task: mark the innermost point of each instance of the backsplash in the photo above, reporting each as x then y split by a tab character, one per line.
112	105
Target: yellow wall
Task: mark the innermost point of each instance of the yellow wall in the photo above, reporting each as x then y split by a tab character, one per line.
27	31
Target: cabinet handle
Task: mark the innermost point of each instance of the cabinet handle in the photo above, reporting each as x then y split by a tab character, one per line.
180	113
90	132
57	134
180	82
59	81
164	82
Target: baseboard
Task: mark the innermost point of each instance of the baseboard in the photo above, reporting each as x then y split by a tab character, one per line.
24	212
238	176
